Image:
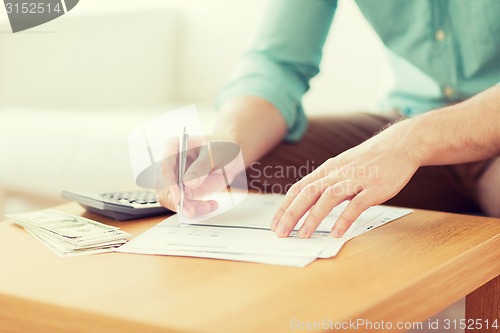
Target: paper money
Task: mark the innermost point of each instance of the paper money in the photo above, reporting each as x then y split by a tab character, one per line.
70	235
62	223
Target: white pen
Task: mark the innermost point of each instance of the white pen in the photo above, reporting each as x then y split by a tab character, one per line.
183	144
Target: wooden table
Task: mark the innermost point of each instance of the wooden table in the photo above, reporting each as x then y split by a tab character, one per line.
405	271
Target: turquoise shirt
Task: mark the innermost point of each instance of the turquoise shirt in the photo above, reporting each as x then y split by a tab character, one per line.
441	51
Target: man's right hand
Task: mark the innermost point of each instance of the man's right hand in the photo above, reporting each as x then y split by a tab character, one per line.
210	167
252	123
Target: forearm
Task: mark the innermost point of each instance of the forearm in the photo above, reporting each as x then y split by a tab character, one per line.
461	133
253	123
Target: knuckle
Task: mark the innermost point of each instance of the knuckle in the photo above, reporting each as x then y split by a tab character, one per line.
295	188
330	162
310	190
330	178
280	213
332	191
165	200
289	215
356	205
343	221
358	188
313	219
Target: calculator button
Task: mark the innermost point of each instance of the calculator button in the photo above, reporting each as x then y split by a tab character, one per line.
123	202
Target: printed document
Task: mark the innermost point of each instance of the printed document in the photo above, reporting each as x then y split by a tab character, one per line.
242	233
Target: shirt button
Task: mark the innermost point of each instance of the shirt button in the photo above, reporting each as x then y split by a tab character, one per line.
448	92
440	35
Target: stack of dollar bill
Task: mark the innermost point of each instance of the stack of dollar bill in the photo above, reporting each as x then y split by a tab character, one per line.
70	235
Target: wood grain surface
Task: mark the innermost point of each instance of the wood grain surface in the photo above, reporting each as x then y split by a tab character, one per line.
407	270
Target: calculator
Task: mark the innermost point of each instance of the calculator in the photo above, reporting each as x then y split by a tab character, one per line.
121	206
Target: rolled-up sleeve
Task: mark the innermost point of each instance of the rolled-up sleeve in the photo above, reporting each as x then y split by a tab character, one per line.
284	56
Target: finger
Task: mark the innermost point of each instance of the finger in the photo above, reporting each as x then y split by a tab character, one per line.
204	207
170	165
169	187
293	192
168	175
188	210
198	170
301	204
192	154
193	208
165	198
354	209
214	182
330	198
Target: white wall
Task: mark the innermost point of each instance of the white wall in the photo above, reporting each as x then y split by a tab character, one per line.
135	51
91	58
70	90
354	73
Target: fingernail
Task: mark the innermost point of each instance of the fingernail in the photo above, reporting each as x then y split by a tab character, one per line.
213	205
335	233
303	232
281	230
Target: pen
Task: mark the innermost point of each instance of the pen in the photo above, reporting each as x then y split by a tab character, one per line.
183	143
226	180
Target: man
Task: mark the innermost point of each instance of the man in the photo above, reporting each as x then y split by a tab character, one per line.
441	140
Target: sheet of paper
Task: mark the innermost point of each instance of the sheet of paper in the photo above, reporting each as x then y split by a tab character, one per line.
370	219
257	211
244	244
171	238
243	234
